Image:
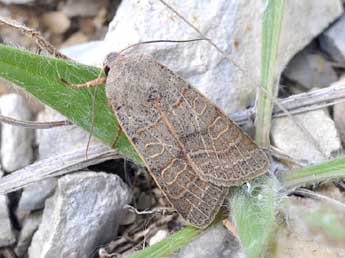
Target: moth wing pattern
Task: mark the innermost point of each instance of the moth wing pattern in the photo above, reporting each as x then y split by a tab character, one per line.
191	148
219	150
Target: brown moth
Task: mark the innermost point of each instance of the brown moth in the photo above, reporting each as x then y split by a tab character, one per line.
191	148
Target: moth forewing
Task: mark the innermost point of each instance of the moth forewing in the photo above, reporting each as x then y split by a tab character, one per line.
191	148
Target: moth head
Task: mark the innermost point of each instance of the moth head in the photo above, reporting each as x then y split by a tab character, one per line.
109	60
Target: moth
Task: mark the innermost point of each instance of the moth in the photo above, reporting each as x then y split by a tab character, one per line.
191	148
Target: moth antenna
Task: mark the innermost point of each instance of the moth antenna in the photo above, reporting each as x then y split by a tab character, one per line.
160	41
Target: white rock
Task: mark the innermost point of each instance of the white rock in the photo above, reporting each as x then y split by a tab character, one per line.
339	119
59	139
215	242
303	21
159	236
235	26
34	196
17	1
338	113
83	214
333	40
29	227
50	143
290	139
310	70
6	233
16	141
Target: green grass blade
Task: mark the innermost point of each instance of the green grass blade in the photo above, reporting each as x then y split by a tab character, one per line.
40	76
272	20
169	245
254	216
332	169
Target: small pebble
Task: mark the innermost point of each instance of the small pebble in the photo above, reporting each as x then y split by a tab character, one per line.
159	236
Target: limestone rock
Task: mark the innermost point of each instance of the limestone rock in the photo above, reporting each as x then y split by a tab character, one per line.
29	227
82	215
339	119
338	115
7	236
310	70
16	141
333	40
50	142
60	139
290	139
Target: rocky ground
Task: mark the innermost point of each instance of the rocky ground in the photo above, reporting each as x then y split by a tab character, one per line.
98	201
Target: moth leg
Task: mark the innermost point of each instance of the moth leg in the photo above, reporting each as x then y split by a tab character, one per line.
117	136
93	83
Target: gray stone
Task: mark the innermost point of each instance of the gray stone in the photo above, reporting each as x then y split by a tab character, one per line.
235	26
310	70
16	141
291	140
338	114
29	227
85	8
82	215
339	119
59	139
50	143
333	40
7	236
303	21
17	1
34	197
215	242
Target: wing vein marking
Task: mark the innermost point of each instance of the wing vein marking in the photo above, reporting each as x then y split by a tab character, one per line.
177	173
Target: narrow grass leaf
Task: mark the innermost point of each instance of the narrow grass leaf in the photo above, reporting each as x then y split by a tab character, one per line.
327	170
41	76
272	20
169	245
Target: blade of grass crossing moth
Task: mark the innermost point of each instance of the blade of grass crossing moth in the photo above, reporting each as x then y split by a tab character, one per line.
254	214
272	21
41	76
174	242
